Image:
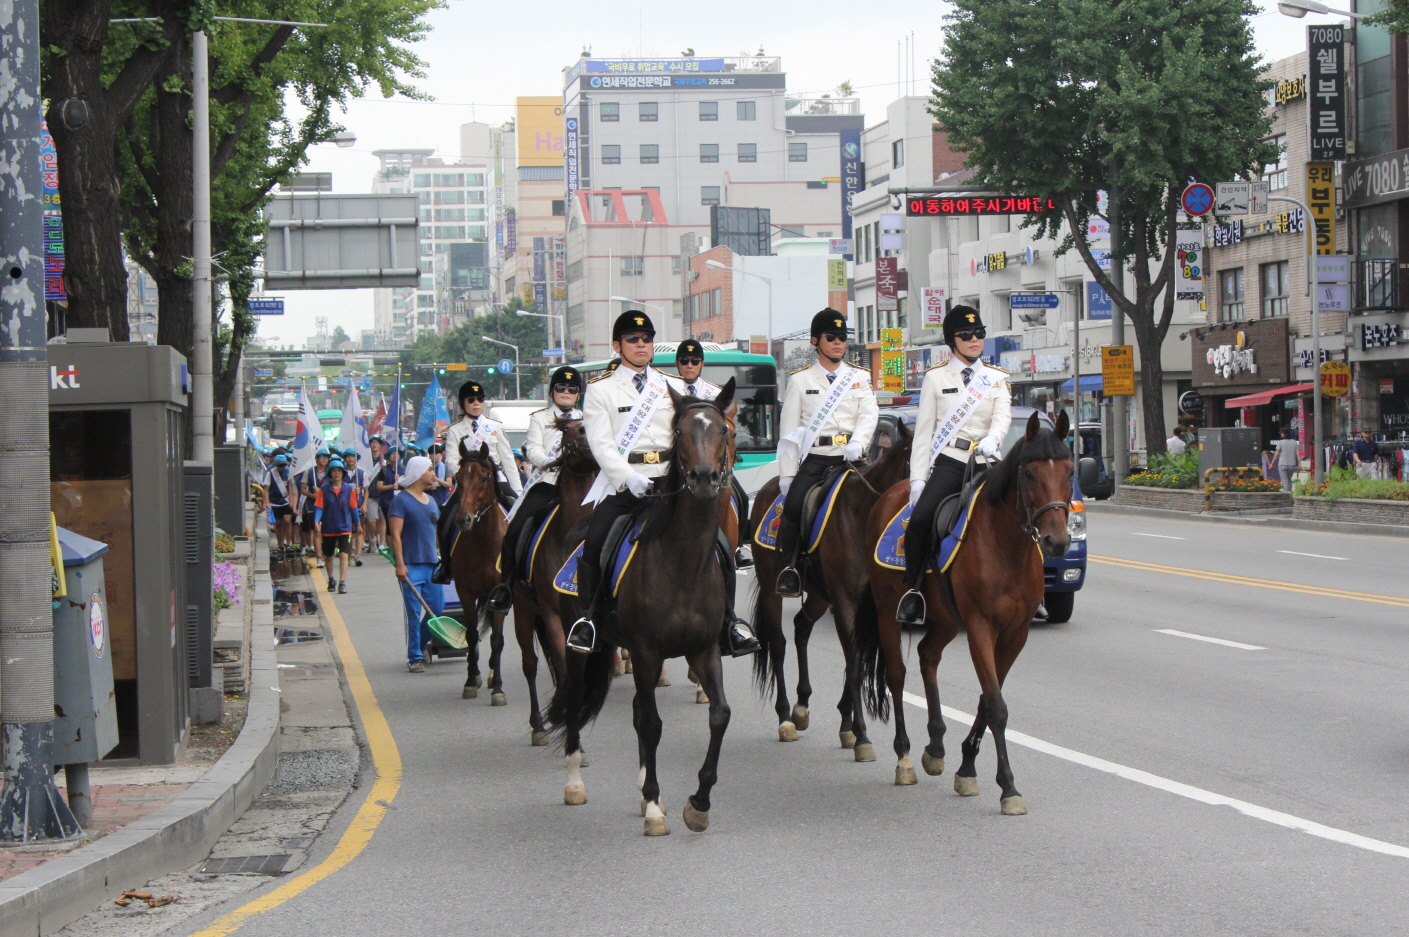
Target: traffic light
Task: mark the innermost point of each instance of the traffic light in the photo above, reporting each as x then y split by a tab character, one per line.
492	371
441	371
403	386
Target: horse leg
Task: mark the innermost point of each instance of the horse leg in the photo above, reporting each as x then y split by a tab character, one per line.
981	647
711	674
1006	651
966	778
496	663
523	632
853	713
575	791
648	729
889	630
812	608
472	680
932	758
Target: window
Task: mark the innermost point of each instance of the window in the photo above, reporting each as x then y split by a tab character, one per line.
449	214
449	179
709	152
474	214
421	180
709	110
450	232
474	178
897	154
475	231
650	152
677	264
1230	292
611	154
649	110
748	152
428	266
1276	288
747	111
633	266
797	152
709	195
425	300
559	207
423	198
427	283
425	214
574	271
474	198
611	113
454	197
1275	174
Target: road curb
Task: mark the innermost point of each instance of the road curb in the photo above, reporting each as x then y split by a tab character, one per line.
1258	520
179	835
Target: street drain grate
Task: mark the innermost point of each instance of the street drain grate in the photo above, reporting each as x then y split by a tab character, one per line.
249	865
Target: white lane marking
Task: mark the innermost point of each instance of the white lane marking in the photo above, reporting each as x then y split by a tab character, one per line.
1317	556
1204	637
1161	536
1183	790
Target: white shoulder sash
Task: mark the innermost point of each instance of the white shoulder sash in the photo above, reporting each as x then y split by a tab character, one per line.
636	421
802	437
984	382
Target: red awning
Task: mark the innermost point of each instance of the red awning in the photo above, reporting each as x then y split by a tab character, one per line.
1264	396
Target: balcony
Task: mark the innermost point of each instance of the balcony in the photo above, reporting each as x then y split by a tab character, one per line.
1376	284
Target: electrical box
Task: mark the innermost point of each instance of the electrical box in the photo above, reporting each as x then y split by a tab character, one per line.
1229	447
85	709
198	522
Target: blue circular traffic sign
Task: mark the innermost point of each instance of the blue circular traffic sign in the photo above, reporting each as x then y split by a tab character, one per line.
505	366
1197	199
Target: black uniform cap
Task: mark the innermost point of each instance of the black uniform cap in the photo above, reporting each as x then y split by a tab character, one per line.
689	347
828	320
471	387
632	321
960	318
566	375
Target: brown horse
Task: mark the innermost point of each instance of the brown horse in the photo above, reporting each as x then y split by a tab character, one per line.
991	590
537	611
834	576
670	604
473	564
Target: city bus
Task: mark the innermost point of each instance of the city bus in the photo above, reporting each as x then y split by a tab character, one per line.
282	424
756	391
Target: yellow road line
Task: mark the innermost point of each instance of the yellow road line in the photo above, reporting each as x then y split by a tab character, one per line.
1248	581
385	757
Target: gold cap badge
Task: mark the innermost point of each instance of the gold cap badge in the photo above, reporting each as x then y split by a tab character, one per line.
970	317
640	321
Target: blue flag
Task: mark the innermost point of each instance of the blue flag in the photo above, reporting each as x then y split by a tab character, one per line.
426	419
392	430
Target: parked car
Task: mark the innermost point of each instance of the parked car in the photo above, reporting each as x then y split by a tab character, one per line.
1064	575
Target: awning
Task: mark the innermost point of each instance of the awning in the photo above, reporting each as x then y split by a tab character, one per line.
1090	383
1263	397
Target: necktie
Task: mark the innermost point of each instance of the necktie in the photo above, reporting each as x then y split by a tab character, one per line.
967	373
691	389
474	424
831	376
640	381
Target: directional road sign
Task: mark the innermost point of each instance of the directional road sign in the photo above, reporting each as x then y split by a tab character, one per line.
265	306
1032	301
263	372
1197	199
552	352
1257	197
505	366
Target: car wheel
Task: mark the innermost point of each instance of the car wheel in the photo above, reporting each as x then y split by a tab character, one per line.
1059	606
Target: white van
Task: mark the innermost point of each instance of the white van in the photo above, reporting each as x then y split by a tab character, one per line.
514	415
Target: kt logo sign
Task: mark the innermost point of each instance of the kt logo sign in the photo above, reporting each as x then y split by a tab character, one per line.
66	379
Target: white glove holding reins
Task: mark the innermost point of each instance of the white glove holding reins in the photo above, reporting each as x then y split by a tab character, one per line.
988	446
784	483
916	486
638	484
854	451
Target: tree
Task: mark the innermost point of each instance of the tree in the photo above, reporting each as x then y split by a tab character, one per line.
338	337
1065	98
465	344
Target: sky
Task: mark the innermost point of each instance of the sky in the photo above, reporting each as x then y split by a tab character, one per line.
480	57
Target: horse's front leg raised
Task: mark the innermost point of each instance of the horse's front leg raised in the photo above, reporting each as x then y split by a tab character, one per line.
711	675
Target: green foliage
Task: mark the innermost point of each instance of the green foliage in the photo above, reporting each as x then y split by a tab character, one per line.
339	336
465	344
1169	471
1345	483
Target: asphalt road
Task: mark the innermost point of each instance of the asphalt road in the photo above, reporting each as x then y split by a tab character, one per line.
1311	727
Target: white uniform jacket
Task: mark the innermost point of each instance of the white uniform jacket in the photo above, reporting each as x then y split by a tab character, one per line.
605	407
855	414
542	427
500	451
703	388
941	389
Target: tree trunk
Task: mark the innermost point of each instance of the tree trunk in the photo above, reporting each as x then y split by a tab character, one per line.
1150	338
171	153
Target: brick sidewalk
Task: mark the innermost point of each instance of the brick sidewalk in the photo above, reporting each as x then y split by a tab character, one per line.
114	806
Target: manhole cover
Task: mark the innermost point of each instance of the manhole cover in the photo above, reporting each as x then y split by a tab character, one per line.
248	865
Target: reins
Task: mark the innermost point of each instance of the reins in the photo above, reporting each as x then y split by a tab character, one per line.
476	517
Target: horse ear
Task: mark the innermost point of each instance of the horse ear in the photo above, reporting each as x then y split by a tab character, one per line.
676	400
726	396
903	431
464	451
484	451
1034	426
1063	425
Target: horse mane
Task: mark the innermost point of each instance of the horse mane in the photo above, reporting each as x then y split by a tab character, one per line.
1045	445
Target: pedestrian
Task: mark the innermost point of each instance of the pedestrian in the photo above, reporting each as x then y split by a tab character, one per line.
440	491
411	525
335	517
357	478
308	489
374	523
1287	458
277	492
1175	444
1365	454
384	482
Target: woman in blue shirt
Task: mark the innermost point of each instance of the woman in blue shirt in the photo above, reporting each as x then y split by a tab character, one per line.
411	523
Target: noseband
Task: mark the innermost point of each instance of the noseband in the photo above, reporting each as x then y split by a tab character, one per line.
1030	523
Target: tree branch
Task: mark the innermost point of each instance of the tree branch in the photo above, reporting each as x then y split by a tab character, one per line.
230	92
1083	247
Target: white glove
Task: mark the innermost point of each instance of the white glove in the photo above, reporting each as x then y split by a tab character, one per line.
637	484
784	483
988	446
916	486
854	451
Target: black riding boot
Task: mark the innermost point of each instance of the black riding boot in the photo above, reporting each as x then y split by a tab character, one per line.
582	636
445	539
946	478
789	582
738	638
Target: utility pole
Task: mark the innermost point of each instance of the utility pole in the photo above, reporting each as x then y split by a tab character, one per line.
202	396
1119	405
32	809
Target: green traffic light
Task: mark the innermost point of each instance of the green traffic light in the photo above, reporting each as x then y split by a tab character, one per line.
403	386
442	370
493	371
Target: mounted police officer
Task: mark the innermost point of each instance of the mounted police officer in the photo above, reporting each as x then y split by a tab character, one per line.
628	420
475	429
829	417
541	448
964	411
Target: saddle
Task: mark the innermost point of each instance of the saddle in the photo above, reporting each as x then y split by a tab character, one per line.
947	516
617	552
530	536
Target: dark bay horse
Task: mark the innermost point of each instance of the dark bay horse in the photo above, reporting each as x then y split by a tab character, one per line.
481	527
537	610
670	604
841	562
992	590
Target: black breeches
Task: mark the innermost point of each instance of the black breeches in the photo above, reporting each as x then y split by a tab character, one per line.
946	478
810	473
537	501
589	566
445	527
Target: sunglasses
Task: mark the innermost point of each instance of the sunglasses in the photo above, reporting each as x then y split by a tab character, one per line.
690	362
833	337
474	398
566	389
968	335
636	338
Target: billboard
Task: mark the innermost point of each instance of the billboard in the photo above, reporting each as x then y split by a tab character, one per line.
853	177
746	231
571	156
538	130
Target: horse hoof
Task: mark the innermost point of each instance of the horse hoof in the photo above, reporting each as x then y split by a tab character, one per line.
583	763
864	751
538	739
575	794
620	669
801	719
655	826
498	699
965	787
645	803
697	821
787	732
469	692
664	680
700	695
1013	806
626	666
905	772
848	739
934	767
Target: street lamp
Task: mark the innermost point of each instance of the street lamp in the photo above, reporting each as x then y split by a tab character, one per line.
719	266
518	391
562	328
344	138
1299	8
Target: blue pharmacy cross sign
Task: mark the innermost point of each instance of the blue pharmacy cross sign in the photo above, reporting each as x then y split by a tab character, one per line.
1032	301
1197	199
505	366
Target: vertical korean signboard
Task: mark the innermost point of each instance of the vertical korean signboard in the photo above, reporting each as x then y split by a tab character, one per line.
1325	53
1189	261
853	176
53	219
570	154
887	284
932	316
1321	199
892	361
836	285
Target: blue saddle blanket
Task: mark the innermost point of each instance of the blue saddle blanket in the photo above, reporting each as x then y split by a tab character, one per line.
767	534
566	580
890	549
532	552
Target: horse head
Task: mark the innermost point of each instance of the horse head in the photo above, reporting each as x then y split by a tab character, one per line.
574	454
893	463
703	459
474	480
1043	479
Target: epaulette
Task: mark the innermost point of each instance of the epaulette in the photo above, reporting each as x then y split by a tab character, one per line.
542	410
800	370
996	368
594	380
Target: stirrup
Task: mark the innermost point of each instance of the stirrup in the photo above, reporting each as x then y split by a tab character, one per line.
441	576
739	639
911	611
789	583
501	598
582	636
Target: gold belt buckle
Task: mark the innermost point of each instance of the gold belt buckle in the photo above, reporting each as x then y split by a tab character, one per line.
841	439
650	458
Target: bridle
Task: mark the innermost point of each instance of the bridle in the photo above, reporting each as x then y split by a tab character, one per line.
467	523
728	468
1029	524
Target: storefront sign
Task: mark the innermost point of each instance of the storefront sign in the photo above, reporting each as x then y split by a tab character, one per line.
1189	260
1286	91
1333	268
1249	355
892	361
1118	370
836	284
1325	54
928	206
1394	405
1333	297
1287	222
932	313
570	158
1335	378
1378	179
1321	199
1098	301
853	179
1379	336
1048	364
887	284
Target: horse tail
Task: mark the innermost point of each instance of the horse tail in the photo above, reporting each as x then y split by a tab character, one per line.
580	698
866	633
763	675
485	619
